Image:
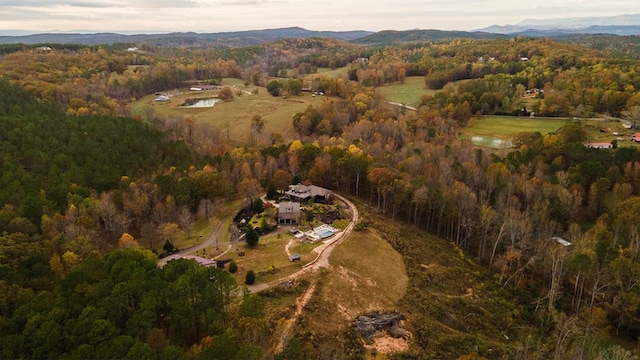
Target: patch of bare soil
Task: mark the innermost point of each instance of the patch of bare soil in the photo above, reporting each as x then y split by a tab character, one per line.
386	344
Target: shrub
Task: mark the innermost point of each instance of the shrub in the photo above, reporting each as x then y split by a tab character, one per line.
168	247
273	87
252	306
225	94
250	278
252	237
233	267
361	225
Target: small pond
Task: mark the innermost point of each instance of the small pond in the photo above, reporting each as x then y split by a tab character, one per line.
200	103
491	142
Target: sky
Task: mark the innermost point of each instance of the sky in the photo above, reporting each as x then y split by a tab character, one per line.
205	16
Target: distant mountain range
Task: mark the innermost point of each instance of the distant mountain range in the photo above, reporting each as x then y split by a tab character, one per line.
617	25
237	38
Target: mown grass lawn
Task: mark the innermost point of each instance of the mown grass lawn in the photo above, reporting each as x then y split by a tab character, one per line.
512	125
408	93
268	259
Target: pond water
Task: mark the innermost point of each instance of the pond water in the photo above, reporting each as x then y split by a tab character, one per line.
491	142
200	103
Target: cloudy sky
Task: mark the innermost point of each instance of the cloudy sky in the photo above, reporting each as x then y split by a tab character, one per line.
232	15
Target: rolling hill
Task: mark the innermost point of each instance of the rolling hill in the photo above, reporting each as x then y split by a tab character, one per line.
237	38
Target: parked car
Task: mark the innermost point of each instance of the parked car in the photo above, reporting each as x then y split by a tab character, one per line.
295	257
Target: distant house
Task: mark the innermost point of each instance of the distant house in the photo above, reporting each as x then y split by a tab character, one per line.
44	48
600	145
289	213
162	98
132	49
301	193
524	58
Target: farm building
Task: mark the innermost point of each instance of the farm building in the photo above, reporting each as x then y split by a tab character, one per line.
600	145
301	193
289	213
162	98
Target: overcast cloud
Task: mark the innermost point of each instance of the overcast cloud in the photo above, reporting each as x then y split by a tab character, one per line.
232	15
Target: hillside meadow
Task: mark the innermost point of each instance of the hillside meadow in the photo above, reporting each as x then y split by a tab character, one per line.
407	92
233	118
453	306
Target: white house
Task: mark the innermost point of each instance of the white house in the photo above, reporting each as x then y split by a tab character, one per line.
600	145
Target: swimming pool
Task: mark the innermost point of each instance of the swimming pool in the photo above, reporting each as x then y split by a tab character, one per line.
325	234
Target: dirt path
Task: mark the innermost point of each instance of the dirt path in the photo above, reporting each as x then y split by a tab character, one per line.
301	302
322	260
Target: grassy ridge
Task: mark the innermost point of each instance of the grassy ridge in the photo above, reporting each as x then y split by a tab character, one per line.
453	306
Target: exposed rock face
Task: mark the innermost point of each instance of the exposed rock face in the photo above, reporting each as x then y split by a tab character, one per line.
368	325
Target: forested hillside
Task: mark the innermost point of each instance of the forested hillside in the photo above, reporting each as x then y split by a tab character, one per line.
546	231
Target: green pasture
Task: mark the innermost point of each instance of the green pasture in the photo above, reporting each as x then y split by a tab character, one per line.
408	93
497	131
494	125
233	118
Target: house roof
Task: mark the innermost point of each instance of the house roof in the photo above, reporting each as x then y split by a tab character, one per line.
289	207
305	191
599	144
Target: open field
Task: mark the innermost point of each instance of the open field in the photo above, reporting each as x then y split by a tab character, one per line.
601	130
330	73
233	118
512	125
497	131
492	130
407	93
269	253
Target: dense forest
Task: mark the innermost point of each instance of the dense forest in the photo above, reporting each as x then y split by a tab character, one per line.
82	178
